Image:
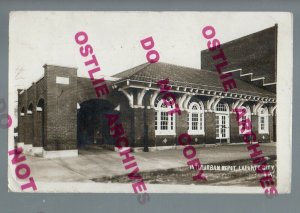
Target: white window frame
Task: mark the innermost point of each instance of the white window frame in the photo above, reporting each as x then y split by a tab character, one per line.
263	113
227	120
199	111
245	117
159	109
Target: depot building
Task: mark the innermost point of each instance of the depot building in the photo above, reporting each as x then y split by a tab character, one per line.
60	112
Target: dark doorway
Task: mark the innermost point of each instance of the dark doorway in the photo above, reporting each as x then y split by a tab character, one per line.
92	126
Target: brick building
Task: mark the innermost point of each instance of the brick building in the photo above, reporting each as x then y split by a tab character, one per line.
60	112
252	58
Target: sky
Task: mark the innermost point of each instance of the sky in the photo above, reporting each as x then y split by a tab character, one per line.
38	38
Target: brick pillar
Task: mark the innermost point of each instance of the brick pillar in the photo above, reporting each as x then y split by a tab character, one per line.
22	106
128	122
38	129
271	131
61	106
210	127
235	136
28	128
254	121
21	131
274	136
138	123
151	127
181	123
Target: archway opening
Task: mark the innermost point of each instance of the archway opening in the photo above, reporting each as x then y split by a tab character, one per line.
92	125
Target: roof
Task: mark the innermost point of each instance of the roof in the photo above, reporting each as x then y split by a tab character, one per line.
187	77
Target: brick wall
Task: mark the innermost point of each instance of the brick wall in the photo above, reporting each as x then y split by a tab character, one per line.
61	121
37	142
118	99
272	126
151	127
28	124
138	127
85	90
255	53
21	128
235	136
22	105
210	127
40	117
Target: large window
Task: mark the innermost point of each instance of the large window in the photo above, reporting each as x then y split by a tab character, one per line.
222	121
244	118
263	121
196	119
164	122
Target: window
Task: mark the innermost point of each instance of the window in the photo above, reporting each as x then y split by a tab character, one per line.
263	121
222	121
164	122
221	107
245	117
22	112
196	119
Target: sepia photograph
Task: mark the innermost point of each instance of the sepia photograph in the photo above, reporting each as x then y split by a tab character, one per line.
150	102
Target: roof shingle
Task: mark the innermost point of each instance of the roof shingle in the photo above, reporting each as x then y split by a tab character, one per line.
187	77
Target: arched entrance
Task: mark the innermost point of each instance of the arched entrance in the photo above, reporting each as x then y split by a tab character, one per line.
92	126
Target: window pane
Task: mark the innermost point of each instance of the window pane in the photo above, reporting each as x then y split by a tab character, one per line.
217	127
164	121
262	123
155	123
172	123
221	107
194	121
